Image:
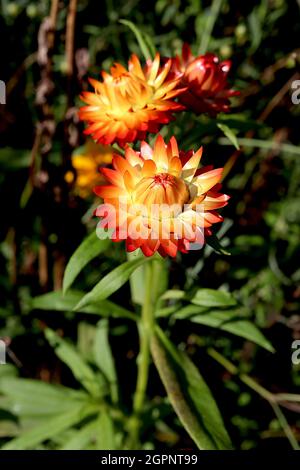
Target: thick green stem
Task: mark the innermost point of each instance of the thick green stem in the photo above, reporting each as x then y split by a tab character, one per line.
145	332
146	329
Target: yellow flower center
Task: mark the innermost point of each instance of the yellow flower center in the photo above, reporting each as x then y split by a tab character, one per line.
162	188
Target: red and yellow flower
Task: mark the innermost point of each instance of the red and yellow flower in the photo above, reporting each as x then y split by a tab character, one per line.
158	200
205	78
128	104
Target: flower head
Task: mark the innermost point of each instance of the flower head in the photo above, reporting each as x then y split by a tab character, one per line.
206	80
157	199
86	163
129	103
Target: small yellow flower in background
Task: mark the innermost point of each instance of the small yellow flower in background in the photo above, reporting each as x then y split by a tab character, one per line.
86	162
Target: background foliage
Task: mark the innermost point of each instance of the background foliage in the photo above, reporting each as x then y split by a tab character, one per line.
84	360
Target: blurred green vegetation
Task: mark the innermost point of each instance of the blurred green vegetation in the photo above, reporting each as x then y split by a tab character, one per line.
42	225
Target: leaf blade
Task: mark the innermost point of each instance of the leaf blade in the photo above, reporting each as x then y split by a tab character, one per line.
104	358
189	395
111	282
139	37
231	321
230	134
31	438
80	369
66	303
91	247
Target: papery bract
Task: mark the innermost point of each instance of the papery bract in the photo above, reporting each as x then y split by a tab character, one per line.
158	200
205	78
128	104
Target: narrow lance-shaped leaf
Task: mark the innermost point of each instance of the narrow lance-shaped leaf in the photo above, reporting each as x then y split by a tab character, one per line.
104	358
91	247
139	37
230	134
231	321
111	282
202	297
215	244
82	437
80	369
213	298
189	395
56	301
28	397
53	426
106	432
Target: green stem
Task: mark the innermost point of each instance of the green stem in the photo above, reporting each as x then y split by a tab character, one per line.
145	332
209	26
262	144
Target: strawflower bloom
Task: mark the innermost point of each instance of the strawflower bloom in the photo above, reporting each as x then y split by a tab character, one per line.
128	104
206	80
158	200
87	162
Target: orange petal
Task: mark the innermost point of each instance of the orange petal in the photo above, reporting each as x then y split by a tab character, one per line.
207	180
132	157
149	168
129	181
154	68
172	148
190	167
121	164
175	166
160	154
113	177
135	67
146	151
109	191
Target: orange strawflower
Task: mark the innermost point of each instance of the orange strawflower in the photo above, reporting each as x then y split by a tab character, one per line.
129	103
206	80
86	162
157	199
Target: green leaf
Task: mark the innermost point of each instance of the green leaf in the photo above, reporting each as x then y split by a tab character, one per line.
111	282
230	134
36	398
264	145
26	194
189	395
214	243
202	297
66	303
231	321
91	247
150	44
50	428
213	298
14	159
8	370
139	37
104	358
207	29
82	437
166	311
56	301
80	369
8	428
105	432
173	294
